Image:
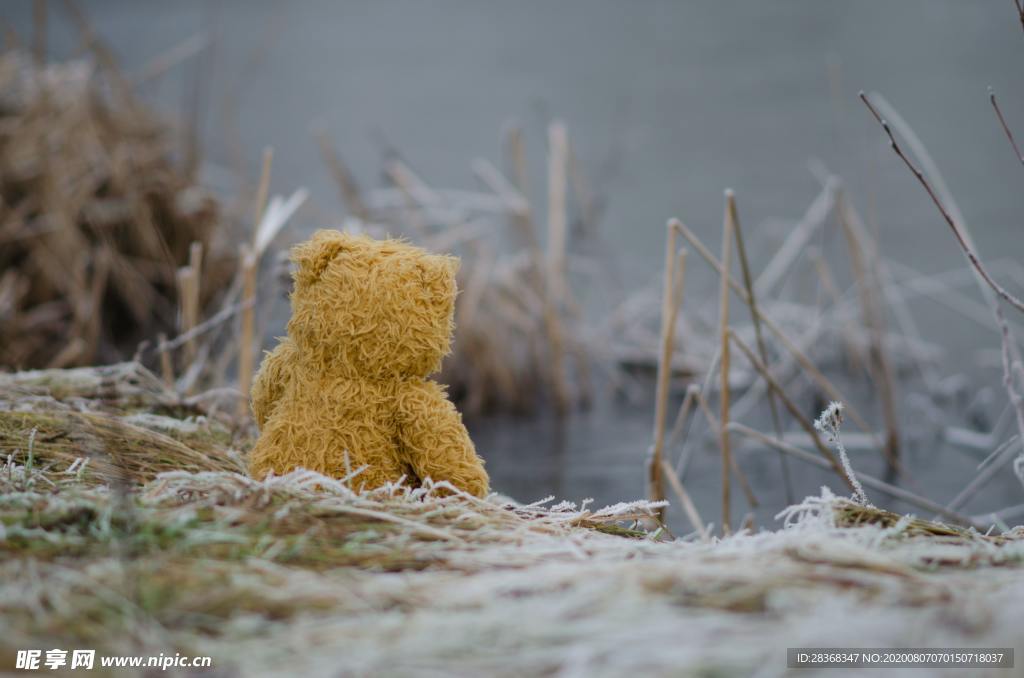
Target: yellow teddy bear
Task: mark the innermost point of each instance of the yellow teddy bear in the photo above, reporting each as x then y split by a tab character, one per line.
371	320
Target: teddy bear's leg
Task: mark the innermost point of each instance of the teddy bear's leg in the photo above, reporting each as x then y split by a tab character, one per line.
434	440
272	378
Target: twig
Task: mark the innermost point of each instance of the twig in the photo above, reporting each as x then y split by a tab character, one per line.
930	169
1002	120
964	245
210	323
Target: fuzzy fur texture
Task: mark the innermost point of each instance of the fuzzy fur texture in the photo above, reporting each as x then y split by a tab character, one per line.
348	387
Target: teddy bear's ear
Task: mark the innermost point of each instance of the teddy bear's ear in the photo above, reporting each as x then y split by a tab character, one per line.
312	257
453	264
437	268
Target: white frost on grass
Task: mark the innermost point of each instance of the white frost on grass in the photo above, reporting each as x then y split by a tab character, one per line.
499	588
828	423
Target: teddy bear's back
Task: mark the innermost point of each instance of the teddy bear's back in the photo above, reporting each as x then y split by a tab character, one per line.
333	427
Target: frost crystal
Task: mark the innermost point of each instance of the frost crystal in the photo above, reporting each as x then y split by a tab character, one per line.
828	423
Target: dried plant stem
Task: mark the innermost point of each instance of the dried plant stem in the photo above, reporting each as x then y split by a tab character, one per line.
798	239
960	238
805	363
689	508
555	271
262	192
863	260
522	219
245	355
343	177
870	481
671	297
930	170
680	426
748	491
805	424
185	276
558	231
762	350
195	265
164	62
249	271
492	177
1012	375
1011	362
195	262
723	364
1002	120
994	466
853	352
166	370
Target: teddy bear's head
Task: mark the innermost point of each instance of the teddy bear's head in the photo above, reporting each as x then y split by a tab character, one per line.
372	308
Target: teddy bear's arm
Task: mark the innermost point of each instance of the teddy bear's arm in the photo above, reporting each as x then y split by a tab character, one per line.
435	442
270	381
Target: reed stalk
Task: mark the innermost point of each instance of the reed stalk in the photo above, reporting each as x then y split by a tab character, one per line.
555	272
723	364
762	350
671	299
791	346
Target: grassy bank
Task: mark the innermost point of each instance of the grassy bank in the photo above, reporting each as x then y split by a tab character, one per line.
304	573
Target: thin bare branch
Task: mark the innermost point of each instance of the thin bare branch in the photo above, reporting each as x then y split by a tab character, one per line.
1002	122
968	252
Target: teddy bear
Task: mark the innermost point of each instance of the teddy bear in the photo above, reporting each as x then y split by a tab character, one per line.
348	386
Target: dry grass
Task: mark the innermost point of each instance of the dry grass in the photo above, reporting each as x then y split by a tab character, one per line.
304	574
127	523
96	217
300	573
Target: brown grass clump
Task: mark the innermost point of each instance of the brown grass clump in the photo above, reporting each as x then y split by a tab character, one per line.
96	216
115	424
